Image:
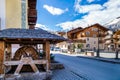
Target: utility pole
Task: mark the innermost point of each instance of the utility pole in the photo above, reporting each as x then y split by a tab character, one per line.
98	55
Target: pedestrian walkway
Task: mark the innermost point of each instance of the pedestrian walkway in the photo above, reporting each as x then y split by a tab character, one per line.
111	60
105	57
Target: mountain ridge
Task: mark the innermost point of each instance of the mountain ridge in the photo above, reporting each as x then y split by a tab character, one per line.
114	24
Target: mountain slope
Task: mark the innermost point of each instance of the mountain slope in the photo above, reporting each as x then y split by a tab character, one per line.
114	24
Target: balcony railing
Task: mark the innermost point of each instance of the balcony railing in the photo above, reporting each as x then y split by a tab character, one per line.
108	37
79	40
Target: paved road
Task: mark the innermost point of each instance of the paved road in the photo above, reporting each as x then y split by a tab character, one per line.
87	69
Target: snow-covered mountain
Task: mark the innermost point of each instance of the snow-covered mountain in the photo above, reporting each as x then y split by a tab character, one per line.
114	24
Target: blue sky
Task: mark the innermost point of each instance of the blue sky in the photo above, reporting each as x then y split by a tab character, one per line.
59	15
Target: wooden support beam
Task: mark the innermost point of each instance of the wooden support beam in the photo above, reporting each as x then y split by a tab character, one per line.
8	56
46	48
8	52
25	61
18	69
34	67
2	49
7	63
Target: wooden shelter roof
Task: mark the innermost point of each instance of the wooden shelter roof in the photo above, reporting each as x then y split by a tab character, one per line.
34	34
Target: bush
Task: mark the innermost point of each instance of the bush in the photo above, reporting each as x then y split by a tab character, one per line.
79	46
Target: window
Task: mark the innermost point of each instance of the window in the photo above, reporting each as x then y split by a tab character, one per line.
111	41
74	36
87	33
118	46
87	39
87	45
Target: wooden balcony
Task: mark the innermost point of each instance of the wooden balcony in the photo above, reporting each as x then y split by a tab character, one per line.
32	16
32	13
79	40
101	41
32	4
32	20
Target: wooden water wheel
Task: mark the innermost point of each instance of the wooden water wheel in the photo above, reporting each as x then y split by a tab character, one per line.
26	51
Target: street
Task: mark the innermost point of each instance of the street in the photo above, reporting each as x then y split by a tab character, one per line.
87	69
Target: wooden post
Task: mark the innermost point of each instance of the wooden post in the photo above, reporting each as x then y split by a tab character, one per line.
8	52
46	48
2	49
8	56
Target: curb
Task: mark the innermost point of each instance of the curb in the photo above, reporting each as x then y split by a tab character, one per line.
101	59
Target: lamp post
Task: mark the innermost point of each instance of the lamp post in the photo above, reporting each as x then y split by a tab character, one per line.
98	55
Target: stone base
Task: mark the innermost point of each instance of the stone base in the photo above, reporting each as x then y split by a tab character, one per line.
29	76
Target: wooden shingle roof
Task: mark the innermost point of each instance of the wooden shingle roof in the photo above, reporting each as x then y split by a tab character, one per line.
34	34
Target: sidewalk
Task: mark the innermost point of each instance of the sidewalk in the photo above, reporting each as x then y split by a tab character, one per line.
111	60
105	57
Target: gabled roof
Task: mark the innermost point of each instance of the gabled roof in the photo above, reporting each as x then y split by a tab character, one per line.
98	25
14	33
82	29
117	32
75	30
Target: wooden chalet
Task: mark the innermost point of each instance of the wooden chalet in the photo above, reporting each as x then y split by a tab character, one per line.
116	39
72	33
112	41
88	36
27	54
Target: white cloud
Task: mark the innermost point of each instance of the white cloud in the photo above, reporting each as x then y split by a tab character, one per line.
44	27
111	10
86	8
72	24
54	11
112	4
90	1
